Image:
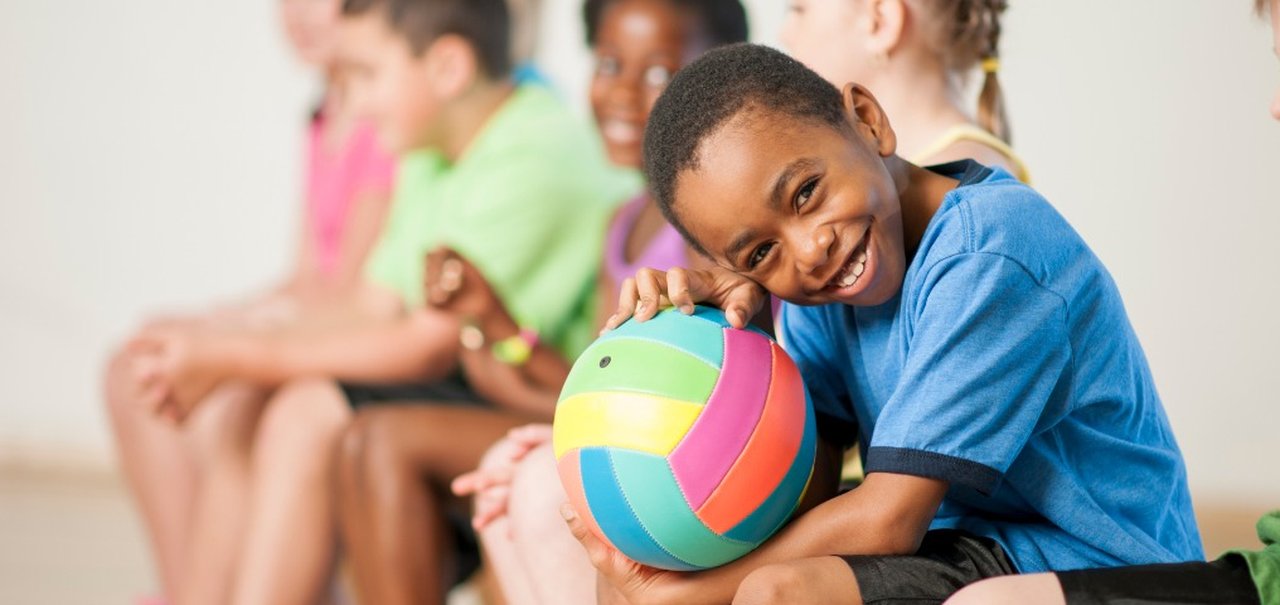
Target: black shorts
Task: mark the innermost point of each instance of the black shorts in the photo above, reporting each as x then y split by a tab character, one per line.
452	390
947	561
1222	582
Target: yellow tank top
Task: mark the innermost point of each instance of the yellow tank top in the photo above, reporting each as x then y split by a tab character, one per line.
970	132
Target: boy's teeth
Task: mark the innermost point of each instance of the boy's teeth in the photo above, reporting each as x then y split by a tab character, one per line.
855	272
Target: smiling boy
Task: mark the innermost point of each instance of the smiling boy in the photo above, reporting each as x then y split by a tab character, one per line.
947	320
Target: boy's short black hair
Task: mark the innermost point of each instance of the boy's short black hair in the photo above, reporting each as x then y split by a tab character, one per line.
485	24
723	21
708	92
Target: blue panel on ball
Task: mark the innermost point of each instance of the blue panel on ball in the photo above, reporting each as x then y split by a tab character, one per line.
777	508
655	497
613	513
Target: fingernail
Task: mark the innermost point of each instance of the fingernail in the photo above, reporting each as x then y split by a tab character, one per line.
566	511
687	309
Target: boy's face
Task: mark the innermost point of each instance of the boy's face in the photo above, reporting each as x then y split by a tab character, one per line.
806	210
639	45
387	83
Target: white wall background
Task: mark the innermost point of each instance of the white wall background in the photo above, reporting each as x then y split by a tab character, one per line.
149	158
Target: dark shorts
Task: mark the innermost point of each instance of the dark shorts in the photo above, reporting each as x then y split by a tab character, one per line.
1222	582
947	561
452	390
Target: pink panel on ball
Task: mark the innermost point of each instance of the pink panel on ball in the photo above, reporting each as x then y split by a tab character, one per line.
716	438
768	454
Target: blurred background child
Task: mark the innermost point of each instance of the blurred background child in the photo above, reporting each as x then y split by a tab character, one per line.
348	180
916	56
638	45
482	172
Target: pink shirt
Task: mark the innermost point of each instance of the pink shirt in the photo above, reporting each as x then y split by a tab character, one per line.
335	180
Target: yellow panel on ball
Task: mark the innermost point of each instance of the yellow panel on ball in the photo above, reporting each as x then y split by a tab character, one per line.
634	421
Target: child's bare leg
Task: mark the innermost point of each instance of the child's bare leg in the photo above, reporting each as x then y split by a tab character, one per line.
531	551
160	472
220	435
290	542
817	581
395	466
1031	589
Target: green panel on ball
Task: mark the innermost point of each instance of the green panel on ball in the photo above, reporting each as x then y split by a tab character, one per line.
633	365
658	503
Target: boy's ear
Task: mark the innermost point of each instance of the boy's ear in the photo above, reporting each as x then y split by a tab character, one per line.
451	65
868	119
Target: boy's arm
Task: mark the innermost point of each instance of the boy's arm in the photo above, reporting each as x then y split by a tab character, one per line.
888	514
181	365
419	346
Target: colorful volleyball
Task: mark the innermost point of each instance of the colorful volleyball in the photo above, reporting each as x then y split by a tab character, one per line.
683	442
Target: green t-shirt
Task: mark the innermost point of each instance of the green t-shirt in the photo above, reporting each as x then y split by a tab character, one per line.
1264	565
526	203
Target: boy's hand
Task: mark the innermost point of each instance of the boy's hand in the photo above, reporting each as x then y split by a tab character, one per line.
636	584
491	482
651	290
175	368
455	285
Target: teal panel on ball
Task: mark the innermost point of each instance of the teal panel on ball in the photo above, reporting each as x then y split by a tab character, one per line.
650	487
614	515
777	508
701	335
641	366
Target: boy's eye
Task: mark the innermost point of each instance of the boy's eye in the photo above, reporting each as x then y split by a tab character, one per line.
805	192
758	255
657	76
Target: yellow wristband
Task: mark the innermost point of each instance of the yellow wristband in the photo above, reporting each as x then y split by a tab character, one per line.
516	350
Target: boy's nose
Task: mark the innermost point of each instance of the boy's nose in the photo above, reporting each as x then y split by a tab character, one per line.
815	252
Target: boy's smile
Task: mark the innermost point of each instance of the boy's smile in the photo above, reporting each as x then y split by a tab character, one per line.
809	212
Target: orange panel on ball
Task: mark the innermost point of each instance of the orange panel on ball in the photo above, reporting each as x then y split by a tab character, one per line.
769	452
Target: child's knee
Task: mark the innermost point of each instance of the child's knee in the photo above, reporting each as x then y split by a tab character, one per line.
536	495
367	450
1041	589
308	409
780	583
819	580
116	384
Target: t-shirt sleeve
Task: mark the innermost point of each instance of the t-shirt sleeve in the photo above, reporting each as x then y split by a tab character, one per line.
806	336
534	233
988	347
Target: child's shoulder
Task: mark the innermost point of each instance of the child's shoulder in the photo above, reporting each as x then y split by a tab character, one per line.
1000	215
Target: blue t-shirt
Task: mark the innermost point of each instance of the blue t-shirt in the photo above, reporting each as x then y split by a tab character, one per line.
1007	366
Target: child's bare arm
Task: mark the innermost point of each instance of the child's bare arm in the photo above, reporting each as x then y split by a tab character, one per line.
190	362
887	514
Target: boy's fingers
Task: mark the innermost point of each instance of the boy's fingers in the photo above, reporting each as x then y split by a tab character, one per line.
530	436
601	555
490	505
651	285
679	290
627	298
